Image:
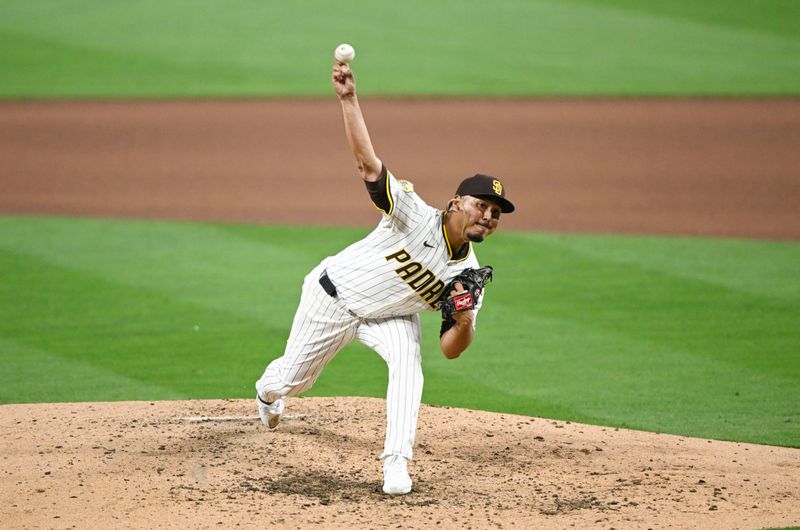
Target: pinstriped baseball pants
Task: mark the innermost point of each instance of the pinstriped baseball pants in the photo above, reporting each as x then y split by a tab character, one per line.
322	326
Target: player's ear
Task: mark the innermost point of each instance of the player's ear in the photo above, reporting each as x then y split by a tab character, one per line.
455	204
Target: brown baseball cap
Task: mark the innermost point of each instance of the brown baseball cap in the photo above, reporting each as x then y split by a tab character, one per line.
486	187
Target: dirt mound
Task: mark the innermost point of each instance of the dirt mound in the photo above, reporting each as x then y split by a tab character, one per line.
194	464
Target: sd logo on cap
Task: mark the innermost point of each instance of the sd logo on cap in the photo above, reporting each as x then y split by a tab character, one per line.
486	187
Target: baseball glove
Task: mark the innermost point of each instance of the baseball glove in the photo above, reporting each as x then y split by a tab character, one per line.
472	281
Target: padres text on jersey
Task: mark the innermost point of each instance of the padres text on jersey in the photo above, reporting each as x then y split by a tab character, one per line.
402	266
417	277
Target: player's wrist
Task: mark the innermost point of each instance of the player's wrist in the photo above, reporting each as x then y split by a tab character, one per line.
464	317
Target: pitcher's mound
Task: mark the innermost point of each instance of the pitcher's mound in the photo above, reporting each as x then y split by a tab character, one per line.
193	464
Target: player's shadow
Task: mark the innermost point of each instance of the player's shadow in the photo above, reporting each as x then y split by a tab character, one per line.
327	488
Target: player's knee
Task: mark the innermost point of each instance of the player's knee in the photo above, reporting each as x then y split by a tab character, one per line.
411	365
279	385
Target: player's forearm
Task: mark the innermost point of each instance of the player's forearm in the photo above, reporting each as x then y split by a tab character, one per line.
358	137
458	338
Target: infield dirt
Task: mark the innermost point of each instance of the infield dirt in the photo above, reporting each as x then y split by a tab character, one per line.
211	464
697	167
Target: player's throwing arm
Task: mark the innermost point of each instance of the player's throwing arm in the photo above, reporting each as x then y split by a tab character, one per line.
355	128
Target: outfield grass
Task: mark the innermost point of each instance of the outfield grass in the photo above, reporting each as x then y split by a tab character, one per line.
689	336
182	48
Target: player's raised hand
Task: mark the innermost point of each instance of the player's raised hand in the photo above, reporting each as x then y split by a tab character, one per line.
343	81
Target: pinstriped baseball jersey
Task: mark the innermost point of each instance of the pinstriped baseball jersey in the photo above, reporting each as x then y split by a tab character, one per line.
402	266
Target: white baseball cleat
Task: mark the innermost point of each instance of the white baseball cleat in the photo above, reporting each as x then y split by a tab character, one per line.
395	475
270	413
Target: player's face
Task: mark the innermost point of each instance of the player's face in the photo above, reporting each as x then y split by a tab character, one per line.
482	217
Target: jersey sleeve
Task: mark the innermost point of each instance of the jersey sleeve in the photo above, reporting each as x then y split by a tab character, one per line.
379	192
396	199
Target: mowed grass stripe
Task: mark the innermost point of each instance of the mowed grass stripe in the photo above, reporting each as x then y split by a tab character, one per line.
523	47
714	318
654	333
173	348
757	267
31	375
583	374
230	268
777	17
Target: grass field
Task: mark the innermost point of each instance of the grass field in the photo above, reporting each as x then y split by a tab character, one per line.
682	335
240	48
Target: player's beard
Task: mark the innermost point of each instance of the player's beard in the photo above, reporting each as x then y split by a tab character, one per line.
476	235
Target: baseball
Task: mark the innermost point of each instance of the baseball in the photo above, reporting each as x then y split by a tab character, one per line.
344	53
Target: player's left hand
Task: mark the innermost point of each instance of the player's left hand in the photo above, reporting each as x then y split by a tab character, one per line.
464	291
458	287
344	83
461	316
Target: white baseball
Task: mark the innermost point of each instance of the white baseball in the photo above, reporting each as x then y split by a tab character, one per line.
344	53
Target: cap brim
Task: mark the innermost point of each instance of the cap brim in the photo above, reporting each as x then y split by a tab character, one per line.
505	205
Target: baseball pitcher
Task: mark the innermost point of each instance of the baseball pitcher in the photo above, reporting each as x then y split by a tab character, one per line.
418	258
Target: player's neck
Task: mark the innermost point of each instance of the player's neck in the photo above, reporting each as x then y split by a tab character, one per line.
455	231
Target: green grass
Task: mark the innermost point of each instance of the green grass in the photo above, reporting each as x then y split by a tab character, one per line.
246	48
689	336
